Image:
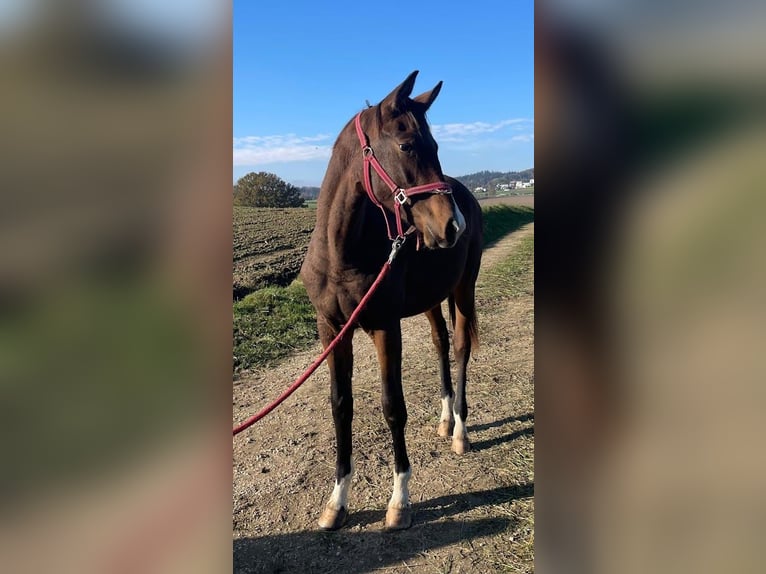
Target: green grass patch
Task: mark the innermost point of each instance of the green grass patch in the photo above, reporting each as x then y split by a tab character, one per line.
500	220
513	276
270	323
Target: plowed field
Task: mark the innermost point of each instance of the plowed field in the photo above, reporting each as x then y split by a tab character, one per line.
269	246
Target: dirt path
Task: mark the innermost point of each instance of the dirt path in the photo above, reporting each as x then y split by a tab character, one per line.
472	513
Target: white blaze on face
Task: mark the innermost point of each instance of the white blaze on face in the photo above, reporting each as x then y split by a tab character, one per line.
339	496
446	409
401	496
459	219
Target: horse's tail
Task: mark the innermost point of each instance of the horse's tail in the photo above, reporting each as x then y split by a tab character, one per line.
473	332
473	323
451	305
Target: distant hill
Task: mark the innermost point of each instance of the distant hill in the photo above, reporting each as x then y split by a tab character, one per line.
489	179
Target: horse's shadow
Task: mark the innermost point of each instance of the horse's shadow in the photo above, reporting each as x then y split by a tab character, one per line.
353	550
521	419
489	443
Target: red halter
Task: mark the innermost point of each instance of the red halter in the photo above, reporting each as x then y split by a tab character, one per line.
401	196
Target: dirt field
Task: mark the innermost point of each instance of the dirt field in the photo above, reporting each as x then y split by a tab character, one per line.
471	514
510	200
269	246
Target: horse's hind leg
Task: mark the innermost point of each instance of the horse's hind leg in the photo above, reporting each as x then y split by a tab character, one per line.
440	338
388	343
465	336
341	363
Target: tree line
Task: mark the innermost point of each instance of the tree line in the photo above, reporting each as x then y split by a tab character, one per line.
489	179
263	189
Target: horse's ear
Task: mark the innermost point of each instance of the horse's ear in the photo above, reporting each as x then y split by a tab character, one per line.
427	98
396	101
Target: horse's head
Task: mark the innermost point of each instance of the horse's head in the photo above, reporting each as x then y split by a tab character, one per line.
401	141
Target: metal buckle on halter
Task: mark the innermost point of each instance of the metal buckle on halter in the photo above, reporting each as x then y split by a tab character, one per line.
367	151
395	247
400	197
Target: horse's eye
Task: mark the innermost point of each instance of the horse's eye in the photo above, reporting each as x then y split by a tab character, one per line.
405	147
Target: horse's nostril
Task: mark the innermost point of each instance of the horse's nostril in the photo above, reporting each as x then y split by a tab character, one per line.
450	233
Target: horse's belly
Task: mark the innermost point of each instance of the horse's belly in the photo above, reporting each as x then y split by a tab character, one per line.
423	304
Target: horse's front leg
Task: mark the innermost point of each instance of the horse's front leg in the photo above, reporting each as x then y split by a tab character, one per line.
388	343
341	363
440	337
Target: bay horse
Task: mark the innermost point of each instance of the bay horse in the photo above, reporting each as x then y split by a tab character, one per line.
358	216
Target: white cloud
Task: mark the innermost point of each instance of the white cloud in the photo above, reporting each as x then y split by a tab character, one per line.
523	138
252	151
462	132
257	150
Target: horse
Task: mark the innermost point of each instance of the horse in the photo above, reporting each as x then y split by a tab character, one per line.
436	226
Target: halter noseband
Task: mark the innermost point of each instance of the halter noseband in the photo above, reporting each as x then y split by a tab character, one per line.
401	195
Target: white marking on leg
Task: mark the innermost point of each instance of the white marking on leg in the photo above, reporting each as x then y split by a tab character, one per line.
446	415
339	496
401	496
459	431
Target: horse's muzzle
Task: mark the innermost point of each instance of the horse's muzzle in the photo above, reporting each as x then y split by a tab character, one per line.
455	226
451	233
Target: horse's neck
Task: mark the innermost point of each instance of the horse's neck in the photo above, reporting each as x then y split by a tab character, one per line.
354	224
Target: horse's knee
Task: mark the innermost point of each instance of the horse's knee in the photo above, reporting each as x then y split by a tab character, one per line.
342	408
462	344
440	339
395	412
396	420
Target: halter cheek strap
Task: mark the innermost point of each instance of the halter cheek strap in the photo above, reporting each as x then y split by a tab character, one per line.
401	195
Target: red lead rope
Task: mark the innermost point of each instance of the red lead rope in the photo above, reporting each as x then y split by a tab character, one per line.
398	242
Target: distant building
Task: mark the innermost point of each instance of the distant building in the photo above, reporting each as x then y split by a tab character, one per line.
480	190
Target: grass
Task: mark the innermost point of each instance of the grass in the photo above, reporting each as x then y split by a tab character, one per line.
500	220
272	322
513	276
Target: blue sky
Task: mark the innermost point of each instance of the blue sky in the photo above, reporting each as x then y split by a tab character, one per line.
303	69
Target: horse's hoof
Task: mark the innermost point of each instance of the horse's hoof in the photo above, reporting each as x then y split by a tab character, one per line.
332	519
460	445
398	518
443	429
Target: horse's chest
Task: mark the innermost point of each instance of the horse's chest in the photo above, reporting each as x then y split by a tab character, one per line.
429	280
